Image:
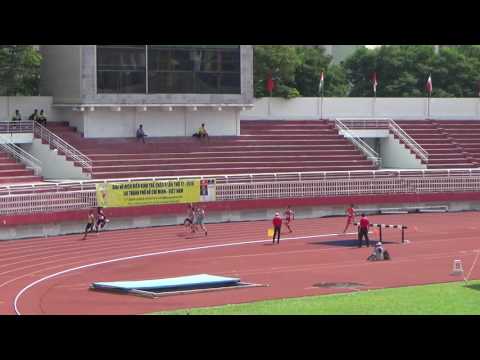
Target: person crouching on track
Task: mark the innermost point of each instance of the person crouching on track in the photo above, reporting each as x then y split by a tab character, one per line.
363	231
90	224
277	226
289	217
379	254
101	220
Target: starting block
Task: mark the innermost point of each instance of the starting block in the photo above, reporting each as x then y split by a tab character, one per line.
457	268
384	226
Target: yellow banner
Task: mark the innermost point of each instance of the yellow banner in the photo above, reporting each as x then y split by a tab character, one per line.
113	195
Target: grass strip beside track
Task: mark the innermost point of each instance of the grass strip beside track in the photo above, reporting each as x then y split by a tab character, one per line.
438	299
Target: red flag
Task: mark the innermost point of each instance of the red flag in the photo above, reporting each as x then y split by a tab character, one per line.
429	85
375	82
270	83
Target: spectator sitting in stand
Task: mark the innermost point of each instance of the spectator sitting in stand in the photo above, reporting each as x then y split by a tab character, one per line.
17	116
42	118
202	133
34	116
141	134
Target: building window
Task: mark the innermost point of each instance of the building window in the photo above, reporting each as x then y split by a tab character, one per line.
171	69
121	69
194	69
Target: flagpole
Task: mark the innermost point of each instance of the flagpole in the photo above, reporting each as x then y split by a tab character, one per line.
428	107
323	94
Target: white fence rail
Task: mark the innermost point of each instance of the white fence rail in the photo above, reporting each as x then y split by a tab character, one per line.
77	196
70	152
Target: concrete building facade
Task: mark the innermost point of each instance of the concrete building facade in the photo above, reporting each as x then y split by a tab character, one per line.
107	90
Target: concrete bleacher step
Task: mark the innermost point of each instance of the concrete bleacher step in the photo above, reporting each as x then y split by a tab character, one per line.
20	179
341	154
226	165
220	171
140	160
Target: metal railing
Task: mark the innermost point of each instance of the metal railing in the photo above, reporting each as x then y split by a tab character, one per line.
21	155
357	141
15	200
17	127
407	140
386	124
62	146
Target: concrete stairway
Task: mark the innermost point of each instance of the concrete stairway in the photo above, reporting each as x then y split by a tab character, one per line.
13	172
444	152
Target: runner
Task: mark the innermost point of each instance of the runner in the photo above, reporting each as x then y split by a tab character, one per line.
350	217
101	219
188	222
200	219
90	224
289	217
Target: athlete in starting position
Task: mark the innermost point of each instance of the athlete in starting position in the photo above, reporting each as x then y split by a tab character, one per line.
350	217
289	217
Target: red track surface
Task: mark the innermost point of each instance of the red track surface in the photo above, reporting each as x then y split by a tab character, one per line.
290	269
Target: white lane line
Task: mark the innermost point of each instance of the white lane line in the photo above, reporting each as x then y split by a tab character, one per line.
17	297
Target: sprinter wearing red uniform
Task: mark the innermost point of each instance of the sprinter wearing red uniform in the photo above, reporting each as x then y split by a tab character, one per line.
289	217
350	217
277	225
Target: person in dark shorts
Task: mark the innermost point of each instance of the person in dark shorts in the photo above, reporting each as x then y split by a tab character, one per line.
101	220
90	224
277	227
141	134
363	231
188	222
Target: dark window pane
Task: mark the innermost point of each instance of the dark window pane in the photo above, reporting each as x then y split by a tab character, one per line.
121	69
198	69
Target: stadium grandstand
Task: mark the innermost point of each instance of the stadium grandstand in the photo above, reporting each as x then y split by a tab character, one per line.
261	154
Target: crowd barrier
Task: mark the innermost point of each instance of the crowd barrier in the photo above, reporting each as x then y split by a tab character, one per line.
17	200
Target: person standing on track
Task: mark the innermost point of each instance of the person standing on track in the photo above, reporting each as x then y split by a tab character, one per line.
90	224
289	217
277	226
350	217
363	231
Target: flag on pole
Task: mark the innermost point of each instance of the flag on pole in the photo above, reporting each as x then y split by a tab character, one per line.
322	83
429	85
375	82
270	83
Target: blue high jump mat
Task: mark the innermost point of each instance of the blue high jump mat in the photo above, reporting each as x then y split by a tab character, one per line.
172	286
